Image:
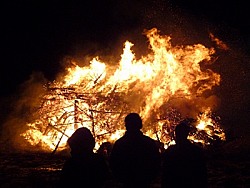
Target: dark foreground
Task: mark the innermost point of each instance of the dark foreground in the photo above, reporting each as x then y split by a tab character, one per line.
228	166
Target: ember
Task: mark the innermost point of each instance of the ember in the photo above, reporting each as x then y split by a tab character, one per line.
164	87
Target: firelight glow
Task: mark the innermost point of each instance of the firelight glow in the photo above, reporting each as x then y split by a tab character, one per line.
156	85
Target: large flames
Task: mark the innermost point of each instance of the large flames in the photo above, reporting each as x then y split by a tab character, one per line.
164	87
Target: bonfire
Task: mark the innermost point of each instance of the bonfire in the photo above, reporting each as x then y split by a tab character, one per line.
166	86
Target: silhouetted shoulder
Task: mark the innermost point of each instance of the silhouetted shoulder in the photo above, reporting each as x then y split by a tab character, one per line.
86	171
84	167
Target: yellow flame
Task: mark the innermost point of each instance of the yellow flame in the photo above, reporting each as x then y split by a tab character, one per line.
99	96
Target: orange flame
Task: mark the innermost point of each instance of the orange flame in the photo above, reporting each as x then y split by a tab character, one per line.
98	96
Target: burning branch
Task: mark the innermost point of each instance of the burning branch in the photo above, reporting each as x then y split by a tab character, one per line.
162	87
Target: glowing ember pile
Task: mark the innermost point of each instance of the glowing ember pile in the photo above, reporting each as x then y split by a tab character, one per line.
164	87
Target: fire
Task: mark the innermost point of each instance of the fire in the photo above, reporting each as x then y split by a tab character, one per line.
156	86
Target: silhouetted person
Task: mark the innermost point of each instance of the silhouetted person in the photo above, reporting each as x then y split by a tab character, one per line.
105	150
184	164
84	168
135	158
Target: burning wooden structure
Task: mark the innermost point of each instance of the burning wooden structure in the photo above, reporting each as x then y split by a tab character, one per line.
164	87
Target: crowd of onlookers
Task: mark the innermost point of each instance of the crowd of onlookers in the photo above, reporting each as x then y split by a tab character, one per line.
134	160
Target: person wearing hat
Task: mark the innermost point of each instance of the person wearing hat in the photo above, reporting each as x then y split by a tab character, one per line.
84	168
135	158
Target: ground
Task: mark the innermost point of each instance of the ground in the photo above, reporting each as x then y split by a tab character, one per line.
228	166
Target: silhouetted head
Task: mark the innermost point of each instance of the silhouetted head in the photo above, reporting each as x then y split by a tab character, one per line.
181	131
133	122
105	149
81	140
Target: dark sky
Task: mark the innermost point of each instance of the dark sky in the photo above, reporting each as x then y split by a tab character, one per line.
36	35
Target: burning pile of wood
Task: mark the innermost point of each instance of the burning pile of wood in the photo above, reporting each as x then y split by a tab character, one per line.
164	87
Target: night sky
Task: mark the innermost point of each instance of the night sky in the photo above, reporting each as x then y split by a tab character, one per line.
37	35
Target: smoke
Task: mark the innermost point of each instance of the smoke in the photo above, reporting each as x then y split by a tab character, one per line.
191	108
22	107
